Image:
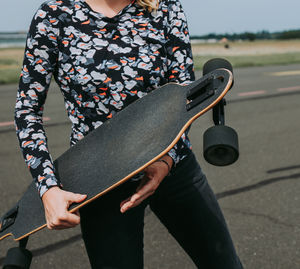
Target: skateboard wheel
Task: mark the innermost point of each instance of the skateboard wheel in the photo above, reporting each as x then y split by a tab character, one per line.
17	258
220	145
216	63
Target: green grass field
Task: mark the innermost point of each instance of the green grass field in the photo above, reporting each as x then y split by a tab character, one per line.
247	54
252	60
244	54
10	65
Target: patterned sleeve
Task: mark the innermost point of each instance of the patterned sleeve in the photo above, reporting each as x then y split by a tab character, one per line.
39	63
180	60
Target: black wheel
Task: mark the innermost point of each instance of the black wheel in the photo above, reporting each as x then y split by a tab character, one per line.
220	145
216	63
17	258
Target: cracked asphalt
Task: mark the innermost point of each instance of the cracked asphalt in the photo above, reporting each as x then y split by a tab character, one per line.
259	194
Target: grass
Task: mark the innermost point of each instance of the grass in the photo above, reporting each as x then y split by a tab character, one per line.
9	75
10	65
11	59
5	62
252	60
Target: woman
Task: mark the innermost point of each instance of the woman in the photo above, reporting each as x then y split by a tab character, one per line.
104	55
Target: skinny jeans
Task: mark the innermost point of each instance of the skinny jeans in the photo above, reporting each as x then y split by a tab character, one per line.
184	203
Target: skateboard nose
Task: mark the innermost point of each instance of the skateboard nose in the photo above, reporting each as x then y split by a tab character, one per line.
8	219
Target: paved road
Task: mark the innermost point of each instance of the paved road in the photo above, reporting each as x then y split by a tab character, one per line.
259	194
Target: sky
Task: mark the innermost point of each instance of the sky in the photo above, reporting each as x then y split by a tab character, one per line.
210	16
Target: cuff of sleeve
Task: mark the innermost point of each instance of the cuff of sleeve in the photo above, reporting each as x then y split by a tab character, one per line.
173	154
47	183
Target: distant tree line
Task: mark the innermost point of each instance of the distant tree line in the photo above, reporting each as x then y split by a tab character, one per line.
262	35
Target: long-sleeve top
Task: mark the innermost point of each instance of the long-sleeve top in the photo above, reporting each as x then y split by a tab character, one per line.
101	65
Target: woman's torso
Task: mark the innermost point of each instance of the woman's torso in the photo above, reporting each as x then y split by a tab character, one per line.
104	64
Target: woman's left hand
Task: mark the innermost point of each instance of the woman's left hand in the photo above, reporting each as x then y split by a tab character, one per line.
154	174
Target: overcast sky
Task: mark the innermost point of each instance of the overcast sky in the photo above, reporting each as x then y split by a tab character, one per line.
210	16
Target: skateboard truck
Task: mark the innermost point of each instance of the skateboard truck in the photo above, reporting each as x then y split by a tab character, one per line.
8	219
220	142
199	93
219	113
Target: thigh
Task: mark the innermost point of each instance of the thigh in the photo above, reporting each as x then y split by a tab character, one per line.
113	239
186	205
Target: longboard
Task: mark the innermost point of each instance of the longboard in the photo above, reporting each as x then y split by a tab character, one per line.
121	147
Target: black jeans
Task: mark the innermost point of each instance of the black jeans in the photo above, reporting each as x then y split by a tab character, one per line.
184	203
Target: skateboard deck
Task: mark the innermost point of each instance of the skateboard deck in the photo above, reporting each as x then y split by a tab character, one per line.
121	147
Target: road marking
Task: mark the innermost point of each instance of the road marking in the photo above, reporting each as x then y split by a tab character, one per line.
289	89
6	123
285	73
10	123
251	93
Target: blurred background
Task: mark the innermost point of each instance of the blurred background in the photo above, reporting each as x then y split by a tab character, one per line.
259	194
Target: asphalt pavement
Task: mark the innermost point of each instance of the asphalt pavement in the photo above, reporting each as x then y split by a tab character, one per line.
259	194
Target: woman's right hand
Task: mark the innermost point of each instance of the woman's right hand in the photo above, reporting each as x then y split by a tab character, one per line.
56	204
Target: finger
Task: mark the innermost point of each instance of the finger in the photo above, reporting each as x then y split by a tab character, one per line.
128	200
143	182
144	192
72	219
76	198
142	198
58	225
125	201
146	188
134	201
67	220
149	187
128	205
68	223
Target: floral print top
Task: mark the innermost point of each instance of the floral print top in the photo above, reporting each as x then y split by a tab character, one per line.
101	65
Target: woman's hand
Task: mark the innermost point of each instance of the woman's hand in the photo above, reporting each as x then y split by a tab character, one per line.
56	203
154	174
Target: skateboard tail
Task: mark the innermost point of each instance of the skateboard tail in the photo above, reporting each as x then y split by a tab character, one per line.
199	92
206	89
202	91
